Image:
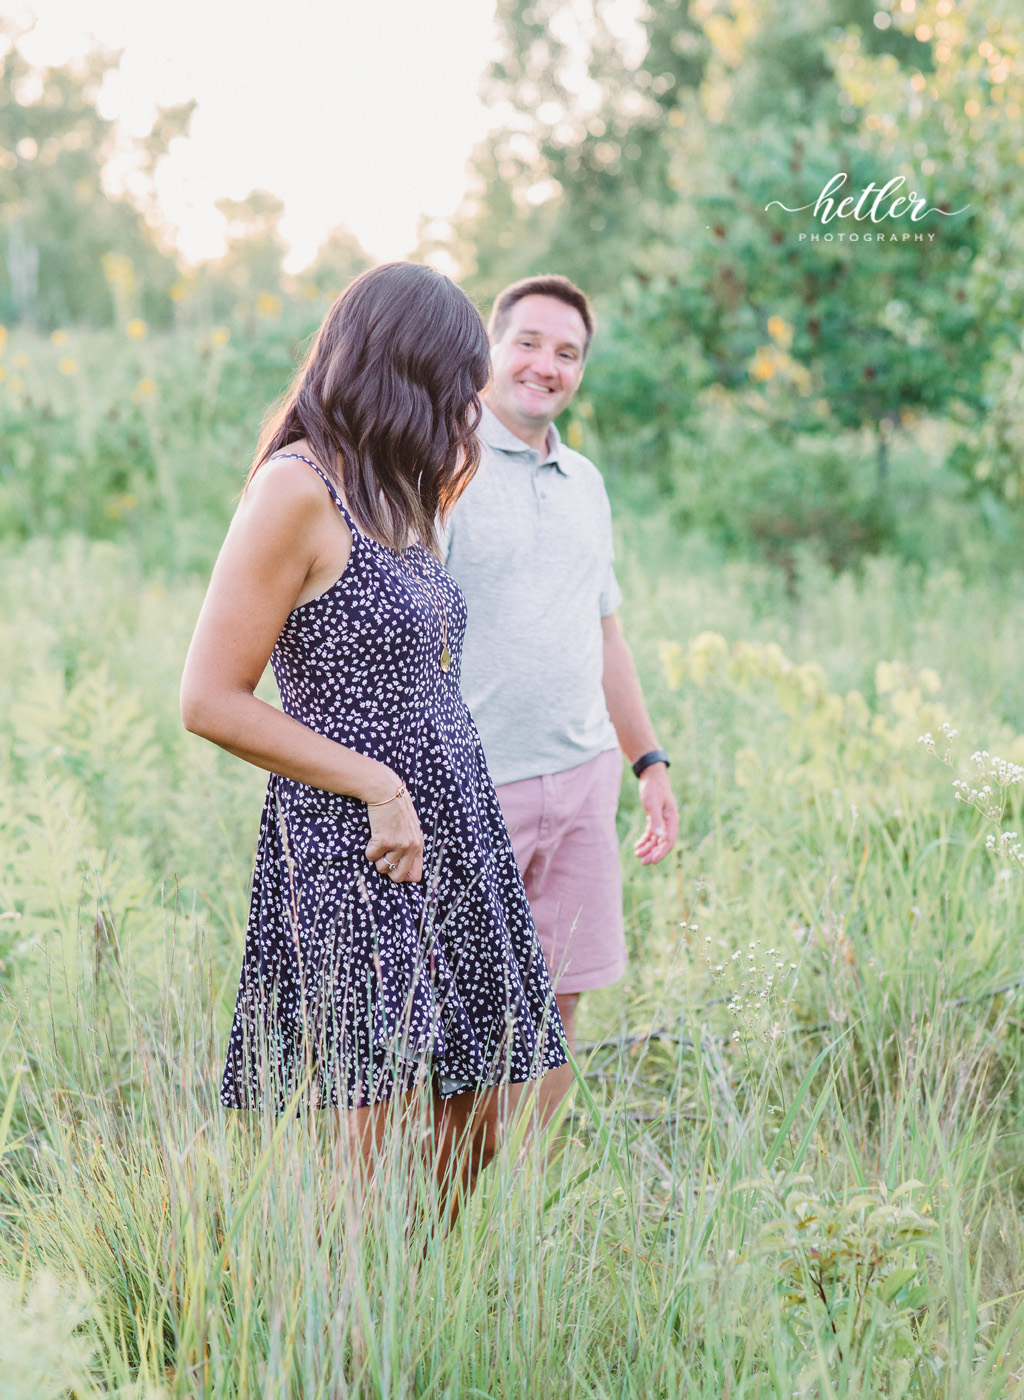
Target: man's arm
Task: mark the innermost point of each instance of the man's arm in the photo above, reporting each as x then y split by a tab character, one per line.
625	700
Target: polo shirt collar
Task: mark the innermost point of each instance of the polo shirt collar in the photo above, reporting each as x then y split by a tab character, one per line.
494	433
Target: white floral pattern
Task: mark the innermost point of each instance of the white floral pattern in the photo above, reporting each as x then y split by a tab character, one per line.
350	981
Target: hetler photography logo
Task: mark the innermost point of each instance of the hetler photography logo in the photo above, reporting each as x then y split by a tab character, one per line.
870	206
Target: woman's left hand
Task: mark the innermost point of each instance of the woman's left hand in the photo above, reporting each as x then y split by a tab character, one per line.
396	840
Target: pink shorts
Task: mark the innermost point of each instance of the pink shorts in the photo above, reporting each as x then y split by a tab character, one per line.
563	833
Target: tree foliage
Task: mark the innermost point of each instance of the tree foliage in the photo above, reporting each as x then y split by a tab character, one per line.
58	221
657	182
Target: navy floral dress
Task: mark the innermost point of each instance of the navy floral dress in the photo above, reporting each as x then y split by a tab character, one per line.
350	982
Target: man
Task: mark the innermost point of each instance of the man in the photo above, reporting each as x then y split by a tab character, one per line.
546	670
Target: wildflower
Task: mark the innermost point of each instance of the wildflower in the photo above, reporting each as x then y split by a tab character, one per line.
136	329
3	337
67	365
780	331
269	305
762	366
17	384
144	390
219	336
59	337
574	436
117	505
119	272
20	360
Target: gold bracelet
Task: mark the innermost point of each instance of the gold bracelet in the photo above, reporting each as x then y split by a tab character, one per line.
398	794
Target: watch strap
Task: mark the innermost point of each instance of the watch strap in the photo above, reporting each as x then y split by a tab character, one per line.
647	759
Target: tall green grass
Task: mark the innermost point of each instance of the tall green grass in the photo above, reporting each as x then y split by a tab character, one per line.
791	1162
791	1165
668	1252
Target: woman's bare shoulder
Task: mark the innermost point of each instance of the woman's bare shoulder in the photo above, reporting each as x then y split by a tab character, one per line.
289	484
288	513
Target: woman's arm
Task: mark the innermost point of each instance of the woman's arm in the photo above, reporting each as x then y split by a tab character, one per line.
286	544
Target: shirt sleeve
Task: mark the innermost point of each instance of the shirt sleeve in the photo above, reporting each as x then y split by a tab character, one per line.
444	538
611	593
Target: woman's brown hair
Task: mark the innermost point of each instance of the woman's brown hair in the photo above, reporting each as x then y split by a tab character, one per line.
388	399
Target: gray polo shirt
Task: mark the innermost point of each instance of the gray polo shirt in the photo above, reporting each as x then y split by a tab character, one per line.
530	544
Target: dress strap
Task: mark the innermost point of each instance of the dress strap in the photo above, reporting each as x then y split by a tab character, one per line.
327	482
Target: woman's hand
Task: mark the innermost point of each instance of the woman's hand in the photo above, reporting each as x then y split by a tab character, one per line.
396	841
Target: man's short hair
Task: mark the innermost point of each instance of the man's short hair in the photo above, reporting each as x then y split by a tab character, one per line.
550	284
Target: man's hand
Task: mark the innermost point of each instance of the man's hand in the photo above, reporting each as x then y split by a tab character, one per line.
659	803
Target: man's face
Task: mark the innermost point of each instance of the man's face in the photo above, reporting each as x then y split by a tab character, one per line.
537	364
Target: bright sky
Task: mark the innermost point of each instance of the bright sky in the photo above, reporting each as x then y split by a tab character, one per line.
360	112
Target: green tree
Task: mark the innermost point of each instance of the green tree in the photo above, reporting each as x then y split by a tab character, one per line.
249	275
662	197
574	181
339	259
57	220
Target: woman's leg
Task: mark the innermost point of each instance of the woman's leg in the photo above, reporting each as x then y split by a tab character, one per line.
463	1134
467	1136
553	1088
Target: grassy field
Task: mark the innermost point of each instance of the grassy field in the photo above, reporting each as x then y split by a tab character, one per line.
792	1162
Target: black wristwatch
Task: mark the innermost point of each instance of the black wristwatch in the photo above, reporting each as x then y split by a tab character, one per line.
646	759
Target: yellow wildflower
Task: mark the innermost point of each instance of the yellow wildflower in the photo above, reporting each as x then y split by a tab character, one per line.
136	328
59	337
219	336
762	366
68	365
144	390
886	679
119	272
117	505
780	331
268	305
801	377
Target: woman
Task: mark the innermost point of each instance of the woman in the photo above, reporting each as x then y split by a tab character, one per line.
389	938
